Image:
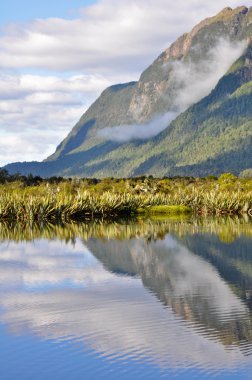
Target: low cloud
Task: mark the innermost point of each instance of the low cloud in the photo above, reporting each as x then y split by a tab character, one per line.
198	79
194	82
124	133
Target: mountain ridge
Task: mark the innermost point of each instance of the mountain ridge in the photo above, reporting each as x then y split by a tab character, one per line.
161	89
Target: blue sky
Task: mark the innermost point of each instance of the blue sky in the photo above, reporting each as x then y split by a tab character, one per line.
27	10
57	56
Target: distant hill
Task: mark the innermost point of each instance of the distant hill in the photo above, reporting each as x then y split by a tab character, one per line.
190	113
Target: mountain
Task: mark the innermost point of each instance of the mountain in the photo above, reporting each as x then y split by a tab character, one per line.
189	114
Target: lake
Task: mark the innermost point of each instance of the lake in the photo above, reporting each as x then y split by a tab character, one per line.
136	299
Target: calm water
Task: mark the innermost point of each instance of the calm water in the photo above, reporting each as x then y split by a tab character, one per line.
138	300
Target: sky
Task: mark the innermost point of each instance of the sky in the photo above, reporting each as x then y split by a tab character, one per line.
57	56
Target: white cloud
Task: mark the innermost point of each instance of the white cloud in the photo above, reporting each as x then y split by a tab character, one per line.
197	80
110	42
123	133
38	111
27	146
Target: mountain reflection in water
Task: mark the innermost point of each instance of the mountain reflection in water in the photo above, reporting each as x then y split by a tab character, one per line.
177	294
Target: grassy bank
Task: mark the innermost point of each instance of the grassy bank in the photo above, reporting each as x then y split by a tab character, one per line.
59	199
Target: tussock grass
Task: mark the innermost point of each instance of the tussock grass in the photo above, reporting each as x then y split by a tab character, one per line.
113	198
64	207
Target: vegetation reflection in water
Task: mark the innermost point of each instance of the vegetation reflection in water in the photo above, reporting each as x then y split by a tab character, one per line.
198	277
227	228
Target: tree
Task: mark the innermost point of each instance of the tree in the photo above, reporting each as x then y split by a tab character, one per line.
4	175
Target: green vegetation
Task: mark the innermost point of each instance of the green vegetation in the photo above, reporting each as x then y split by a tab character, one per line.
245	89
165	210
57	199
